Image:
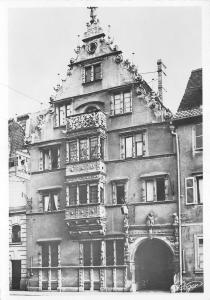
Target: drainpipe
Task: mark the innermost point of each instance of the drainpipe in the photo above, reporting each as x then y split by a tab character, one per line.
174	133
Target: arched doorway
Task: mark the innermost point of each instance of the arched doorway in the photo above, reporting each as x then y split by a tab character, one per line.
153	265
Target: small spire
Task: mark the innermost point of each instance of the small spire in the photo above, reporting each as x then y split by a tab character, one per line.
92	13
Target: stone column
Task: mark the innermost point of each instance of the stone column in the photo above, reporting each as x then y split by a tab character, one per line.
49	271
102	270
59	268
114	269
81	269
40	267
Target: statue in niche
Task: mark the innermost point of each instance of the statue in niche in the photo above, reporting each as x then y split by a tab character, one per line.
150	220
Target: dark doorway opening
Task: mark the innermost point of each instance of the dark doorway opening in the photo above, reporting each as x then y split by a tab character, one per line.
16	274
154	266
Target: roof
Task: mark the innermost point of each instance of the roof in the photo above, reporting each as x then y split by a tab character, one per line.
193	94
188	113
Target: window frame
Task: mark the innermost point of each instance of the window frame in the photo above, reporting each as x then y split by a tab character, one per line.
93	74
197	136
196	253
48	152
154	181
121	98
114	184
50	194
16	239
66	108
195	188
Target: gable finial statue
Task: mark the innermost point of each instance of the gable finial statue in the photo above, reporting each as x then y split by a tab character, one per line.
92	14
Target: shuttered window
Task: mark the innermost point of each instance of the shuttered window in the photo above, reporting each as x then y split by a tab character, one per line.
198	136
194	190
92	73
51	201
155	189
50	158
134	145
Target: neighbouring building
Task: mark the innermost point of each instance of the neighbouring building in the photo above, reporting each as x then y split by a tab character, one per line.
19	160
103	214
188	123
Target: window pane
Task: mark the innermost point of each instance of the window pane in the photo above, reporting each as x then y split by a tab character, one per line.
200	189
83	193
101	195
96	253
62	115
198	129
109	253
102	148
120	189
72	194
200	253
53	201
46	159
97	72
73	151
88	74
160	182
127	102
139	148
150	190
199	142
93	147
68	110
190	193
93	193
128	146
87	254
54	255
45	255
120	252
54	157
117	104
16	234
83	151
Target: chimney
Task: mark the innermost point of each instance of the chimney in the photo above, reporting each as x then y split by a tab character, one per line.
160	66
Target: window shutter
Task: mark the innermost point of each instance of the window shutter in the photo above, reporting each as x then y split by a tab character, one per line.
92	73
122	147
50	159
41	200
62	115
143	191
56	116
193	139
41	161
190	190
114	196
134	146
131	101
166	188
154	190
59	158
101	74
83	75
67	152
112	106
145	143
121	103
67	195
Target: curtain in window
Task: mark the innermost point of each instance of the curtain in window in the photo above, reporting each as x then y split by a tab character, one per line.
46	203
55	196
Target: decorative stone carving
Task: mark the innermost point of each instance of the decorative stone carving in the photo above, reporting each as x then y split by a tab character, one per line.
150	220
78	169
86	121
93	28
118	58
86	211
175	219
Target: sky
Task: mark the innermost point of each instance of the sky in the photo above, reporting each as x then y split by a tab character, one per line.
41	42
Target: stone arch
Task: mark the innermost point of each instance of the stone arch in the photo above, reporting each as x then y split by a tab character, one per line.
135	249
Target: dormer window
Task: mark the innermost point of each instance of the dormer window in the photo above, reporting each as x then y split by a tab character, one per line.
92	73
